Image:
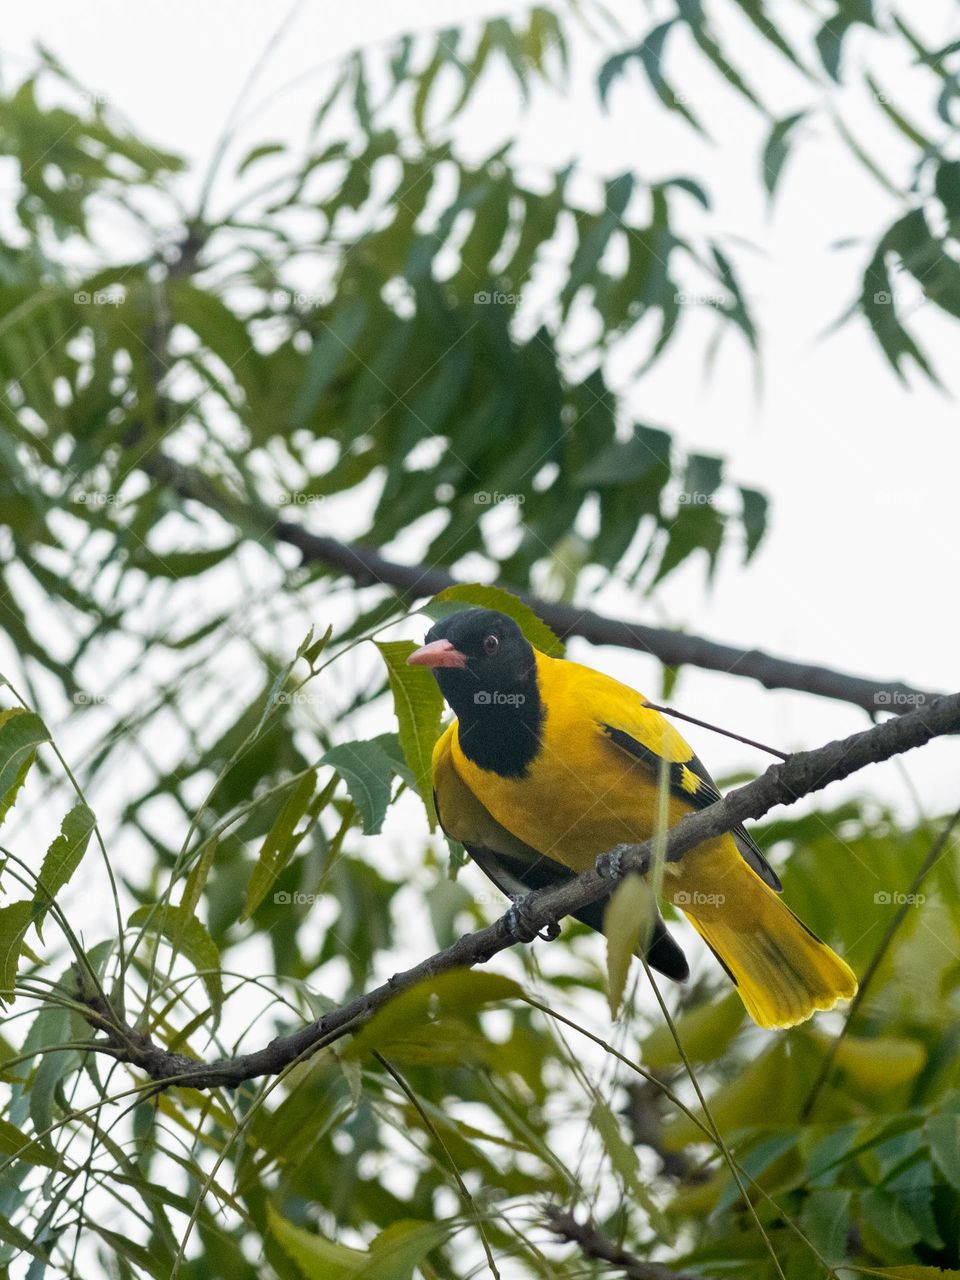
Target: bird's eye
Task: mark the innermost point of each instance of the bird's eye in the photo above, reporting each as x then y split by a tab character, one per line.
490	646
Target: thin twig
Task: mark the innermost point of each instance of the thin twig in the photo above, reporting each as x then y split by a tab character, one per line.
715	728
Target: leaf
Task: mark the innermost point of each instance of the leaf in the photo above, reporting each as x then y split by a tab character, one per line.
311	648
826	1220
180	564
393	1254
418	705
753	518
627	923
776	149
943	1136
280	843
195	881
887	1215
315	1255
484	597
13	1142
650	54
705	1033
367	770
21	732
14	921
62	858
401	1247
258	153
879	1063
448	995
333	346
189	935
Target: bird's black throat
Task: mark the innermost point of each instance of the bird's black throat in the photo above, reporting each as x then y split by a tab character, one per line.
500	729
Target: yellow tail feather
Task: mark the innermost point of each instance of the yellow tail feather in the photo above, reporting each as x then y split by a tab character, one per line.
782	970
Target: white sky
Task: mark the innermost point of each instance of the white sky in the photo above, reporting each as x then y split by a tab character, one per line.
861	470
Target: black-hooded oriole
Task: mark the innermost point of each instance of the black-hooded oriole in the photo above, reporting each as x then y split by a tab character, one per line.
550	763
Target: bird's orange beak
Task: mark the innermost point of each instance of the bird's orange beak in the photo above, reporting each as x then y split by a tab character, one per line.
439	653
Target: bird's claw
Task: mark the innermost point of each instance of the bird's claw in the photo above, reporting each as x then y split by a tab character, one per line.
610	865
518	926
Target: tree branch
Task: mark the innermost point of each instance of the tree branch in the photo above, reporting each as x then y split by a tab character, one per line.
783	783
593	1244
367	567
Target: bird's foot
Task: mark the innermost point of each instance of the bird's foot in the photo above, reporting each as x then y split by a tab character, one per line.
610	865
519	927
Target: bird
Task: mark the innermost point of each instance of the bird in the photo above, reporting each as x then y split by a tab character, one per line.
549	763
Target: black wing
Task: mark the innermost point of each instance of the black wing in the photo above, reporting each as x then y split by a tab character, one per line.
516	876
690	782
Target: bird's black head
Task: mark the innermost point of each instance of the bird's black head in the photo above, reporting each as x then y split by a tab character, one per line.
487	672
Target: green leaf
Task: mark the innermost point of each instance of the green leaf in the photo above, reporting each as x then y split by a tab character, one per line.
368	771
281	842
650	55
311	648
401	1247
21	732
15	919
754	518
705	1033
393	1254
878	1063
317	1257
826	1220
13	1142
475	593
943	1136
258	153
627	922
418	705
180	564
450	995
886	1214
332	348
776	149
63	857
189	935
